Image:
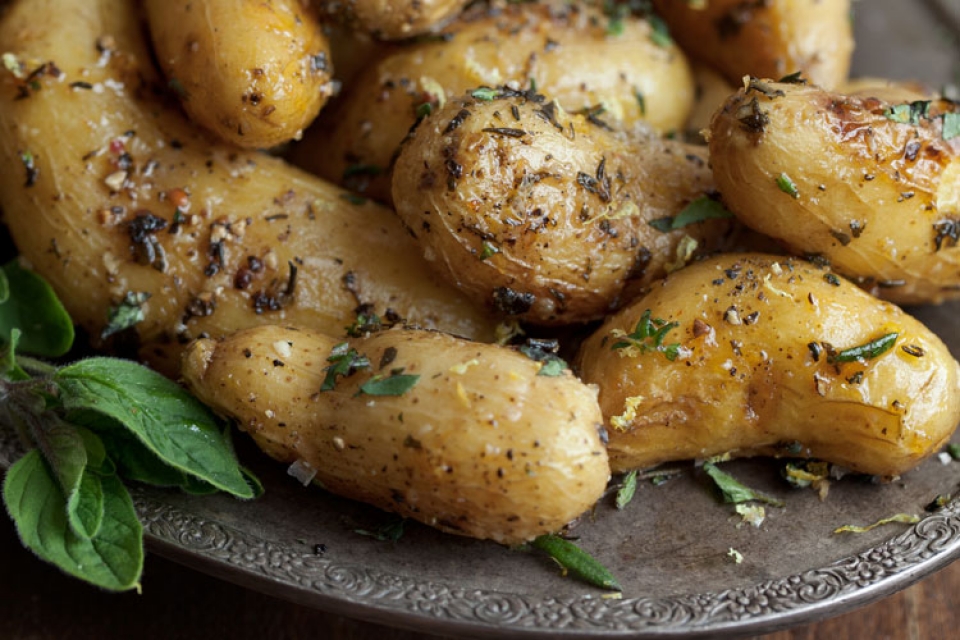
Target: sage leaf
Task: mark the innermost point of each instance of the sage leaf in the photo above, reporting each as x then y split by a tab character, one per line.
113	559
170	422
576	561
32	307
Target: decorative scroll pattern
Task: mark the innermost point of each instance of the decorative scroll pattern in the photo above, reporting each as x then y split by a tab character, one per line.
935	537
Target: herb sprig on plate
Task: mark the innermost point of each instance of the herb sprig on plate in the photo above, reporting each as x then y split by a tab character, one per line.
86	426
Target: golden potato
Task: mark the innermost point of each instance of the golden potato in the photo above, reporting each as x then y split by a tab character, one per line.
120	203
254	73
871	186
765	38
393	19
462	436
567	51
546	216
712	90
751	354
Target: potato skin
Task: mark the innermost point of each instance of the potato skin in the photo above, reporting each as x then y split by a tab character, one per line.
480	446
254	72
765	38
753	373
224	260
879	199
393	19
565	49
545	216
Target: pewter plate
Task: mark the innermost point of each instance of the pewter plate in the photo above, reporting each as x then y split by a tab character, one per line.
670	548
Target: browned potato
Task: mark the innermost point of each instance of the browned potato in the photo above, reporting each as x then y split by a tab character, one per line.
120	203
765	38
547	216
566	50
254	73
871	186
750	354
479	445
393	19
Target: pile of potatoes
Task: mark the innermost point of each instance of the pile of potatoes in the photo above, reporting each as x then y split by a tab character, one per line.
335	218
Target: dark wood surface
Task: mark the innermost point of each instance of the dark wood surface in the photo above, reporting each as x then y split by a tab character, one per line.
39	603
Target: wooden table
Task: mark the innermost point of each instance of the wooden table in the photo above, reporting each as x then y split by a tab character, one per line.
39	603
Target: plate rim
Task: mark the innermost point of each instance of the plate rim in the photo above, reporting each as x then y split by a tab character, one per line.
282	570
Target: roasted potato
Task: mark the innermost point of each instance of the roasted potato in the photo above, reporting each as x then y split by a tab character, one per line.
121	204
752	354
567	51
712	90
545	216
871	186
471	441
254	73
392	19
765	38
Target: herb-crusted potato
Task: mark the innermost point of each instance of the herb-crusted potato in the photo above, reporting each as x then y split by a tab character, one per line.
566	50
549	217
765	38
872	186
122	205
465	437
751	354
254	73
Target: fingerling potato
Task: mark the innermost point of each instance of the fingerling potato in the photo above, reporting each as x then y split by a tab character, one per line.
544	216
566	50
121	204
871	186
750	354
473	442
765	38
254	73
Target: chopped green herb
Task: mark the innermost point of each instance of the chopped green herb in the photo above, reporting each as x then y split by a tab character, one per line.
488	249
732	491
344	361
574	559
485	93
424	110
388	532
364	324
905	518
641	102
909	113
938	503
700	209
794	78
362	170
545	352
752	514
648	335
395	384
736	555
126	314
661	33
353	198
872	349
627	490
787	186
951	126
954	450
